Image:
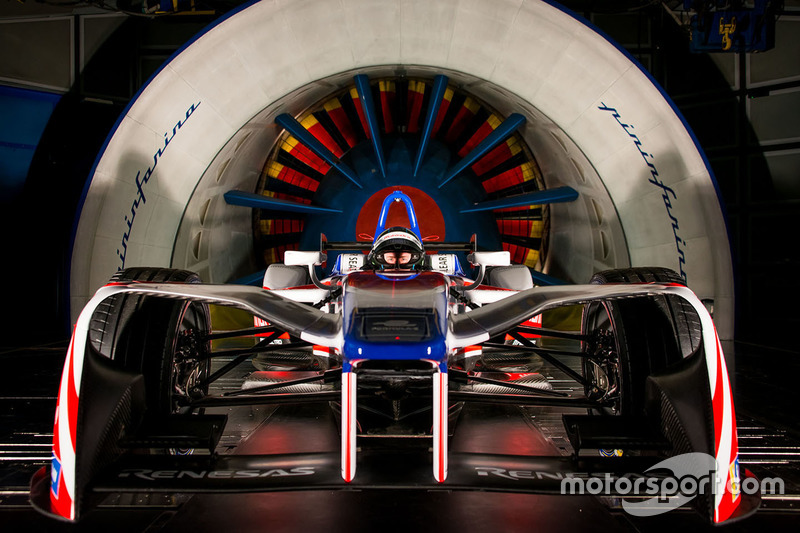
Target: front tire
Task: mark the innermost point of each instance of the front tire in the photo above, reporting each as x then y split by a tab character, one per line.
634	338
163	339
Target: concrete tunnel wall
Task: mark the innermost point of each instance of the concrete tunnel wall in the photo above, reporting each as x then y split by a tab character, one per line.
628	131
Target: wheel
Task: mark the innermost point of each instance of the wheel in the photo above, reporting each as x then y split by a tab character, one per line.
163	339
631	339
684	319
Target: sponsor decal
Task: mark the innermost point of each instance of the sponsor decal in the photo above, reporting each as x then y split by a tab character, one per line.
55	475
519	475
395	325
667	193
157	475
398	235
733	474
350	262
353	262
445	263
142	179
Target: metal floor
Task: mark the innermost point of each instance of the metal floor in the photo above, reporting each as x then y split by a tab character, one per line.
769	438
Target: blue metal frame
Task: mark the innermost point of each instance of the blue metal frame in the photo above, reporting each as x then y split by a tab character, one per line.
548	196
291	125
439	88
365	96
509	125
397	196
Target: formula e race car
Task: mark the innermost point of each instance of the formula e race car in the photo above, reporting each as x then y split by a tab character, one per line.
393	343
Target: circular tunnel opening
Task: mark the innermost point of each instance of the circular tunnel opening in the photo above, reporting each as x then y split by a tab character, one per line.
567	241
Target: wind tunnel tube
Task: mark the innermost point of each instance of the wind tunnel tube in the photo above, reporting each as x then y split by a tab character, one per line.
592	121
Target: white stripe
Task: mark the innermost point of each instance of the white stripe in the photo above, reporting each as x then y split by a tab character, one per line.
349	422
440	425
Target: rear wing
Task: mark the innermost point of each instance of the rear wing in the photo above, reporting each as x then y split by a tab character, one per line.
353	246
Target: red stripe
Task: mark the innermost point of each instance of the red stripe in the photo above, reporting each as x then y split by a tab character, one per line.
302	153
72	397
322	135
476	138
518	253
56	440
504	180
521	228
718	405
284	196
298	179
463	117
387	101
349	414
339	118
63	504
498	155
734	436
442	435
415	108
361	117
440	116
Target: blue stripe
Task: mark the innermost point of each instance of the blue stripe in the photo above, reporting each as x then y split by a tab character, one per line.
365	96
258	201
437	93
547	196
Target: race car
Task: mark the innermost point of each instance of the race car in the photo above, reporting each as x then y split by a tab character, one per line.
395	338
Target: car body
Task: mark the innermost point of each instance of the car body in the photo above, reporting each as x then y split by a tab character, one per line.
386	339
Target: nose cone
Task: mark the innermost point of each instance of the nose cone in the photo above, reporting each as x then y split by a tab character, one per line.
395	316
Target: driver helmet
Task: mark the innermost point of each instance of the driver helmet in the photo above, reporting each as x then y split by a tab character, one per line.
397	248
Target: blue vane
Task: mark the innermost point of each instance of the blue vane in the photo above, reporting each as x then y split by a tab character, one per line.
365	96
258	201
439	87
304	136
549	196
509	125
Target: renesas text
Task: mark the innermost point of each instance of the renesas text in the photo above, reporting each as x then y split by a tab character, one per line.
153	475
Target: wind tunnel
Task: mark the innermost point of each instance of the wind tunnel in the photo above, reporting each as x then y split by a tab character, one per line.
287	119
